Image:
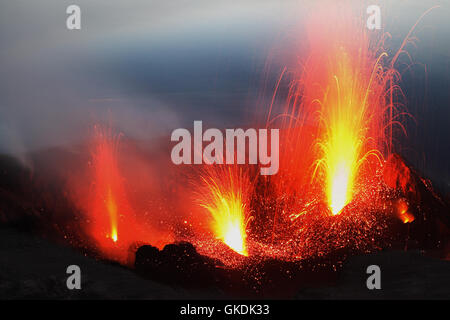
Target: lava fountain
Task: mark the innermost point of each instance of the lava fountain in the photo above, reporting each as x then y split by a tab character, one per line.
109	201
340	109
347	111
223	195
350	96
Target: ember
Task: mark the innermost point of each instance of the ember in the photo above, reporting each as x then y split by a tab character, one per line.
225	199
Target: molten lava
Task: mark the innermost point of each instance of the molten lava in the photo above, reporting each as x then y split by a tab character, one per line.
349	95
403	212
345	114
338	113
224	198
111	213
109	196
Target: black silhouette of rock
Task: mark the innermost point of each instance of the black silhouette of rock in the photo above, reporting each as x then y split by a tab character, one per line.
176	263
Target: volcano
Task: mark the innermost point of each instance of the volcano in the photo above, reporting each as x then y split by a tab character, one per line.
340	189
195	264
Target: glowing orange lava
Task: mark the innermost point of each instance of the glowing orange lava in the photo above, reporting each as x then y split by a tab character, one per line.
345	115
223	197
112	211
350	98
109	200
115	200
403	212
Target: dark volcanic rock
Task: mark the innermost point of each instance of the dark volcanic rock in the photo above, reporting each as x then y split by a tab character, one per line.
404	275
35	268
419	191
182	265
431	225
177	263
